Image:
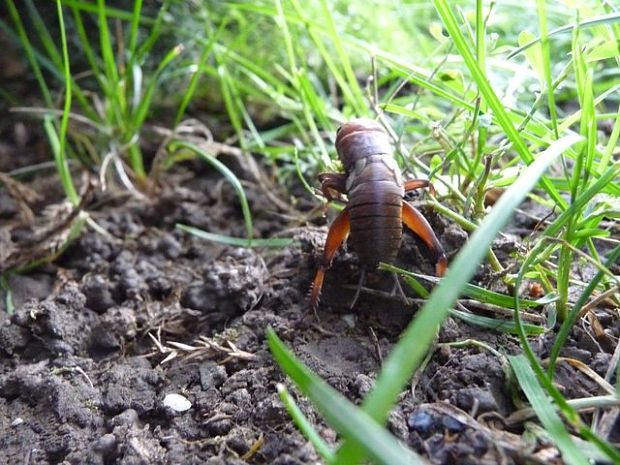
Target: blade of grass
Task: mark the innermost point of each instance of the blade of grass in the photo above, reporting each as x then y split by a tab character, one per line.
568	324
200	67
230	177
351	422
546	411
569	413
116	13
592	22
481	52
473	291
275	242
86	45
60	156
611	143
304	424
504	326
156	30
358	103
135	22
113	89
350	95
147	99
542	26
34	63
418	336
297	75
55	56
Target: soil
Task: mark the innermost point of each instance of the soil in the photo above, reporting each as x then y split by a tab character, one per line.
101	335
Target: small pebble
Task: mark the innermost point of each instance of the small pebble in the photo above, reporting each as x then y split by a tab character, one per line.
420	421
18	421
349	319
177	402
127	418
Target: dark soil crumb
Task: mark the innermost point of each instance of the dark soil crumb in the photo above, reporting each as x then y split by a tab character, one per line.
81	373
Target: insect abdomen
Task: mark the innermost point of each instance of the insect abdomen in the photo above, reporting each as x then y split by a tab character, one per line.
375	207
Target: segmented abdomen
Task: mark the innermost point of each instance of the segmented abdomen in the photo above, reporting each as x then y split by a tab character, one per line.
375	192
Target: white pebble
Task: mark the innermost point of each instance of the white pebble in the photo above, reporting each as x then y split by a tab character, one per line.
349	319
177	402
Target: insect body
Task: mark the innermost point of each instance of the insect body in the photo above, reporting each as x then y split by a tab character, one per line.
376	210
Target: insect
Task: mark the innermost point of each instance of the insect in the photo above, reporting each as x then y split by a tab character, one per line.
375	211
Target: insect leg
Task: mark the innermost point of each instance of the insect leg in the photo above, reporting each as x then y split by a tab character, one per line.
414	220
333	182
338	232
414	184
398	288
359	287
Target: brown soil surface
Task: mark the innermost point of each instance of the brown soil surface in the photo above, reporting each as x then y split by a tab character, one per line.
81	373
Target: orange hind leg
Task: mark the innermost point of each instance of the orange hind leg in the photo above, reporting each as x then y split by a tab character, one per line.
338	232
414	220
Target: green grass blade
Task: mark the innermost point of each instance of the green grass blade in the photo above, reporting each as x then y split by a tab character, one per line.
418	336
350	421
569	413
230	177
274	242
611	143
304	424
582	200
568	324
200	68
105	42
227	88
135	22
592	22
359	107
34	63
115	13
546	411
146	100
114	90
471	290
156	30
43	34
61	157
86	45
503	326
542	25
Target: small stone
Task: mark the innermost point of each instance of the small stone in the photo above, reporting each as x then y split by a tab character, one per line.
420	421
18	421
127	418
177	402
349	319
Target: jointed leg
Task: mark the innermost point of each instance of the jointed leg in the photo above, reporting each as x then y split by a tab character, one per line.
398	288
359	287
414	184
338	232
414	220
332	182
